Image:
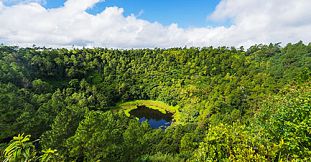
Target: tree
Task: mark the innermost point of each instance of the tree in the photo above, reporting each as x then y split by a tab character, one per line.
20	149
286	117
50	155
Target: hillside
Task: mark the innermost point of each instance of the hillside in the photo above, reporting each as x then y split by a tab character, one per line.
230	103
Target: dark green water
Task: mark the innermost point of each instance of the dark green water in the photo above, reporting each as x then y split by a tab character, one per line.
155	118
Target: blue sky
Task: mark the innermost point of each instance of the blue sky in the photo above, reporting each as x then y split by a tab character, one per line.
152	23
186	13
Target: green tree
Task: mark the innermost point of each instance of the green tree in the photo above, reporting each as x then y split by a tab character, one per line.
50	155
20	149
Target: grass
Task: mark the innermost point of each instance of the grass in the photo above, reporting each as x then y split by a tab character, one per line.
156	105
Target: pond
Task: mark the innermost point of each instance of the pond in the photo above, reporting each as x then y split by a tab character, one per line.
155	118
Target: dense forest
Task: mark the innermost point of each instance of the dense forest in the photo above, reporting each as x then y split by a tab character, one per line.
234	104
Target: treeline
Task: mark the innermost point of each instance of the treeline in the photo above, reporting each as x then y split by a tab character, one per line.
234	103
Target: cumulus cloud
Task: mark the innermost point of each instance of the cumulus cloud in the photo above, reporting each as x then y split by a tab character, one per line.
253	21
267	20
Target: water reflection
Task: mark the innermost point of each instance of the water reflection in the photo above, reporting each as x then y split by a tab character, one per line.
155	118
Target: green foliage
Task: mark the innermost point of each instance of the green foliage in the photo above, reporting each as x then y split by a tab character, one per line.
156	105
287	117
105	136
50	155
232	143
159	157
20	149
231	104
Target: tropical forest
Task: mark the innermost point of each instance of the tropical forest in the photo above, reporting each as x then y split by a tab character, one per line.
164	105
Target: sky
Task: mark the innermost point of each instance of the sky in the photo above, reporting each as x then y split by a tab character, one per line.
153	23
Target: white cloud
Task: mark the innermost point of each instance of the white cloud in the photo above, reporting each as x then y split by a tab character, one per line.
254	21
14	2
267	20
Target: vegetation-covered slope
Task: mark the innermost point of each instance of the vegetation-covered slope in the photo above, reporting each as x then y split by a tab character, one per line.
233	104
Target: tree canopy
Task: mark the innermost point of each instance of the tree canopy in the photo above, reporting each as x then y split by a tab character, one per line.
232	104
